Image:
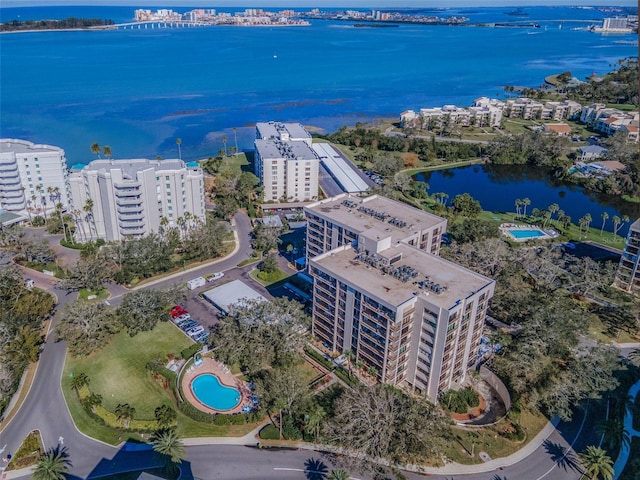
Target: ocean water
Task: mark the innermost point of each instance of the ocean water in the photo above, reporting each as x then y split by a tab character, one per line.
139	90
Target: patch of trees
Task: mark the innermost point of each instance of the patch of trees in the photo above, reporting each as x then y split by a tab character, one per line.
384	422
531	148
373	140
473	230
21	317
71	22
89	326
141	258
619	86
545	365
460	401
257	334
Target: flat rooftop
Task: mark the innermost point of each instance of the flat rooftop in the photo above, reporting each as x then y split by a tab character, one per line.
13	145
455	282
231	293
291	150
131	167
274	130
346	210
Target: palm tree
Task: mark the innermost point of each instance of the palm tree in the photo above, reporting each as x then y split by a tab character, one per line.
235	136
587	220
88	210
596	463
53	465
553	208
107	151
79	381
604	216
124	413
314	420
169	444
164	221
350	356
95	148
224	142
338	475
525	202
518	205
179	143
616	224
614	433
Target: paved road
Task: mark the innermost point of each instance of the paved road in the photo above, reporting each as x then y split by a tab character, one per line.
45	409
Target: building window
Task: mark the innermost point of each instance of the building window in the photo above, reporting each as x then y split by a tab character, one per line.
168	185
166	178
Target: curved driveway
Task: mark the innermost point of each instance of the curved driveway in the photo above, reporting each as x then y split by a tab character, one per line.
45	409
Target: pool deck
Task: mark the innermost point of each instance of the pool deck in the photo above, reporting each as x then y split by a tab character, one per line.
209	365
547	234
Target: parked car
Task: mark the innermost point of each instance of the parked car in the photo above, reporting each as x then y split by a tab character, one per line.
188	325
193	331
201	337
184	316
216	276
182	323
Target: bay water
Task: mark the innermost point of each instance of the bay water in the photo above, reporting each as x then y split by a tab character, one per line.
139	90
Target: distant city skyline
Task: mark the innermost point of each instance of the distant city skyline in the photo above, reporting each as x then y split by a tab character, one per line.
362	4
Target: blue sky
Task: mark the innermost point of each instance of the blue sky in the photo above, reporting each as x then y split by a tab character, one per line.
389	4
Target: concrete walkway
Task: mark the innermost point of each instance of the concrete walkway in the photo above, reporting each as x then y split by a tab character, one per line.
623	456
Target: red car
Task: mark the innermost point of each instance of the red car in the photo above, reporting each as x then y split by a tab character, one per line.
177	311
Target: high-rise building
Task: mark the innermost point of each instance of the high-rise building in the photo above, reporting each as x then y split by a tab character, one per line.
285	162
32	176
381	291
340	220
130	198
628	274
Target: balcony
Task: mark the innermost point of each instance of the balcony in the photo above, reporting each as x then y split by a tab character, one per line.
129	201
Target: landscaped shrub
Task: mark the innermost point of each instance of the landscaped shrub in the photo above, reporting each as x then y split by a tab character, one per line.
221	420
190	351
460	401
289	429
344	376
319	358
237	419
270	432
195	414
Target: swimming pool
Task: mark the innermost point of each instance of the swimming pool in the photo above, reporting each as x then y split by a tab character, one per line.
526	234
210	392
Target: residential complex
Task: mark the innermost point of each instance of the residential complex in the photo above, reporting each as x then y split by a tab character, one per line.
488	112
32	177
285	162
132	197
608	121
382	292
628	274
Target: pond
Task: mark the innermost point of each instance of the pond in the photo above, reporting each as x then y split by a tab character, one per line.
497	187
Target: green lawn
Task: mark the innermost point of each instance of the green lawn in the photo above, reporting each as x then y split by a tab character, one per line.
273	277
488	439
102	294
118	373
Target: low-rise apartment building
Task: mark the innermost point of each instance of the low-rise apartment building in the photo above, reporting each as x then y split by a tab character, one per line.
285	162
628	274
32	176
608	121
130	198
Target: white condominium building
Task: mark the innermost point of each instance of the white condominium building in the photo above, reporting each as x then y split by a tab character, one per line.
285	162
340	220
32	176
131	197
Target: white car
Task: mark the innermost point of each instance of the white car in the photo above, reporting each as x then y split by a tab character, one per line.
216	276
